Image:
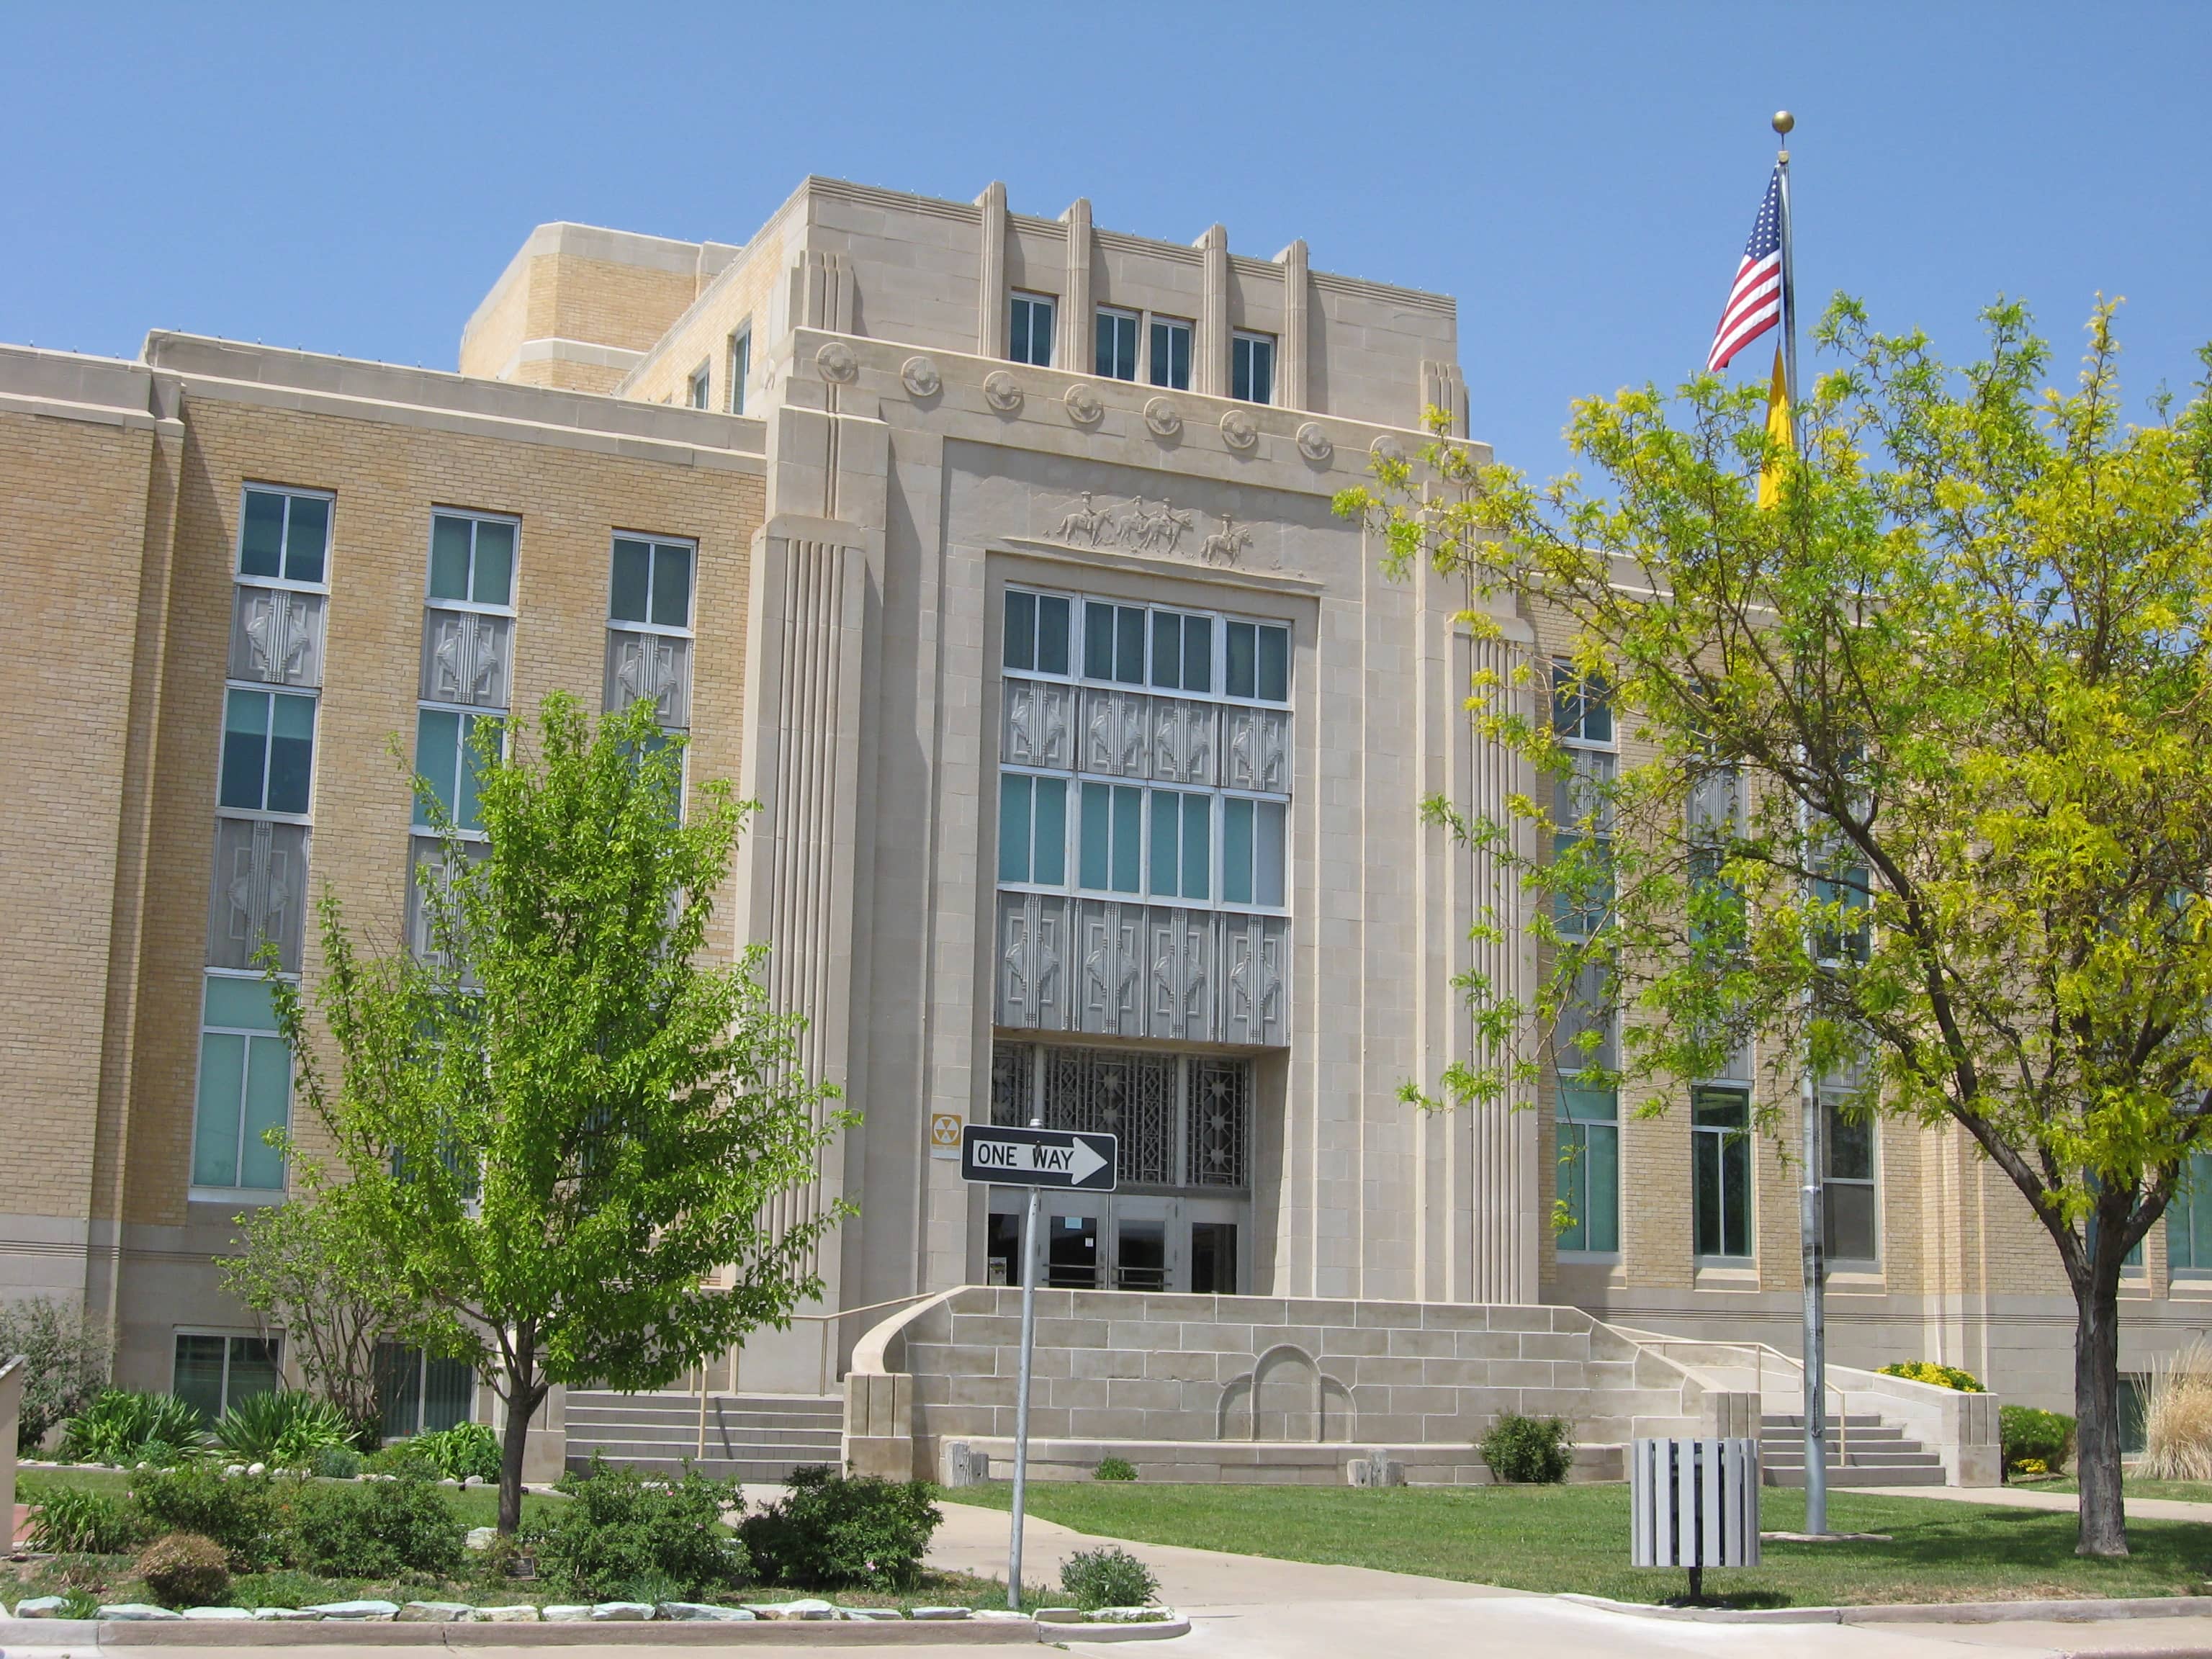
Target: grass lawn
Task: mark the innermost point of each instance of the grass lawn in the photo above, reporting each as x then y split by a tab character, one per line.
1575	1538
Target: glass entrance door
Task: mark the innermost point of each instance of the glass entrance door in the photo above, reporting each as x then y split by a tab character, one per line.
1127	1241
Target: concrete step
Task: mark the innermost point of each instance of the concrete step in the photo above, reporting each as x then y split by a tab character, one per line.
750	1437
1776	1422
1932	1475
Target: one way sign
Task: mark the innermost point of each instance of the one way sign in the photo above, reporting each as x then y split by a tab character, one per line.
1067	1158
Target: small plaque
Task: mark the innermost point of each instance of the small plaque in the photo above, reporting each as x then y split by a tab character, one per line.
944	1129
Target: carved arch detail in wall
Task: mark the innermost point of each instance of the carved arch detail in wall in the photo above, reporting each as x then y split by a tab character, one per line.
1286	1390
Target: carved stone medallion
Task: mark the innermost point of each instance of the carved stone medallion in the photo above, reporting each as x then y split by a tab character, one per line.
837	361
1313	442
920	377
1084	405
1164	418
1002	391
1387	448
1239	430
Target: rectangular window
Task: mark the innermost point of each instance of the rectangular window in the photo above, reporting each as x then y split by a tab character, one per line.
1589	1169
1848	1186
1252	368
1257	661
741	368
1845	888
215	1373
652	583
1117	344
1182	845
419	1395
1582	706
1252	852
1029	330
1032	830
1183	653
445	754
649	627
284	536
1170	354
245	1088
1036	633
2188	1218
1110	856
472	561
1720	1140
698	388
268	750
1113	643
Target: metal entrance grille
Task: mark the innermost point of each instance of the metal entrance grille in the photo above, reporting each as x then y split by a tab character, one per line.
1179	1121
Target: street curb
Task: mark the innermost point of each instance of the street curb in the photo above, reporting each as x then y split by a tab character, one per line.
108	1635
1936	1613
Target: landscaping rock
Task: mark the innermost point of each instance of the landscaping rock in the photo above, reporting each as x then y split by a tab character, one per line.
1131	1615
40	1606
356	1610
233	1468
997	1613
939	1613
566	1615
257	1469
874	1615
434	1612
620	1612
516	1614
805	1608
134	1612
705	1610
480	1537
269	1614
450	1481
218	1612
1058	1615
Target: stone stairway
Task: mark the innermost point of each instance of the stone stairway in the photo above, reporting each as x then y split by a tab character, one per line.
1878	1454
750	1436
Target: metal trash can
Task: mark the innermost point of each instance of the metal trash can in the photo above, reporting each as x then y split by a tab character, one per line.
1694	1503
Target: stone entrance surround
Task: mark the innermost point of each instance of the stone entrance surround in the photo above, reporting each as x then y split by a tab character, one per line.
1255	1389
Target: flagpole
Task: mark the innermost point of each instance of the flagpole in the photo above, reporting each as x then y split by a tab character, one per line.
1810	1221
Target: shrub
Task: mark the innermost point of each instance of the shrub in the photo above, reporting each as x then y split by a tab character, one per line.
2027	1433
403	1458
833	1531
240	1512
184	1570
621	1534
284	1429
67	1362
1529	1448
2177	1418
375	1531
1936	1376
336	1463
1114	1468
119	1424
78	1521
1108	1577
457	1453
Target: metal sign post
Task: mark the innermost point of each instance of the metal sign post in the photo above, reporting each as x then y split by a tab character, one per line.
1036	1158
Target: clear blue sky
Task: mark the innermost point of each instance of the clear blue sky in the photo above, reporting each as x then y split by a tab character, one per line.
1581	176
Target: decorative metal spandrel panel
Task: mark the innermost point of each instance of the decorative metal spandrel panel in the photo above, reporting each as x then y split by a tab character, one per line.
1116	741
467	658
1109	995
657	667
277	636
1131	1097
1014	1088
1220	1121
1180	951
1256	980
1038	724
1256	752
259	892
427	864
1033	962
1183	742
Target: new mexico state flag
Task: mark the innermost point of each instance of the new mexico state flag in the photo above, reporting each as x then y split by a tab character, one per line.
1777	429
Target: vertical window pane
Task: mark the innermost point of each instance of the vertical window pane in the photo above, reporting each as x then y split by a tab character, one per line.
261	541
1167	844
1706	1196
1166	649
1274	675
1267	854
1105	334
196	1378
398	1389
291	752
1098	640
633	578
1094	861
245	749
448	1390
437	758
468	813
309	536
449	558
1129	645
268	1091
252	1370
1198	654
1603	1185
671	586
1014	827
1049	865
495	577
1197	845
215	1124
1572	1173
1735	1195
1128	839
1020	652
1052	634
1236	851
1243	658
1263	372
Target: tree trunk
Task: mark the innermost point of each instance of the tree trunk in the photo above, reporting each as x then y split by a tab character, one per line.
525	1392
2096	1407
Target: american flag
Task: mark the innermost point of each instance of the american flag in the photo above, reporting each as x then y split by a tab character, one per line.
1755	301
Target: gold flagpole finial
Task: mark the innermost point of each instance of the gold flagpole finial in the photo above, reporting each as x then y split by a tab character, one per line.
1783	121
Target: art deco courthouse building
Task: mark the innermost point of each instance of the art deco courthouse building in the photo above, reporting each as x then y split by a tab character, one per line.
994	556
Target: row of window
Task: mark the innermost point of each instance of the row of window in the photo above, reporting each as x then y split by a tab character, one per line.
1191	653
738	355
1163	359
416	1394
1201	847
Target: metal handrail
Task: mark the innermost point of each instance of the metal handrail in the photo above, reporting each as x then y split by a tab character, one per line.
1842	1399
826	1321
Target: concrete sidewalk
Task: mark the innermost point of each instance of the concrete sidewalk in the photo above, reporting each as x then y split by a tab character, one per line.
2028	1498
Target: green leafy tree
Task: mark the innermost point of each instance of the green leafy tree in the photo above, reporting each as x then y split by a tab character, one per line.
561	1119
1915	788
